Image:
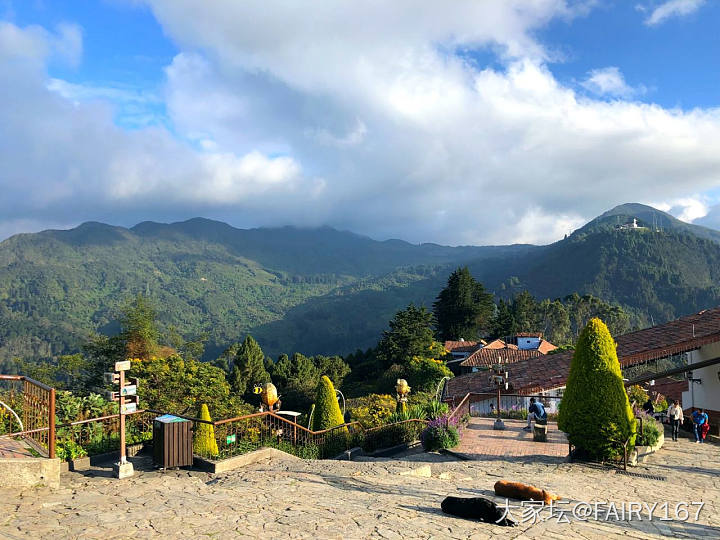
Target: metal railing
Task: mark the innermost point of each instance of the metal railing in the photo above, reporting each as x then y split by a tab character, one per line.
101	435
511	405
38	413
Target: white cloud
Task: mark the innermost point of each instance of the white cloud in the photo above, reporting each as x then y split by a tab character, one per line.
672	8
609	81
361	117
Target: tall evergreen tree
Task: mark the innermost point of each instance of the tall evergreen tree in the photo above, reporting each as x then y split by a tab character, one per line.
595	412
248	369
463	309
410	335
139	330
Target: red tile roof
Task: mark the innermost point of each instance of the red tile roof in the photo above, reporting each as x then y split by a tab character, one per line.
490	356
545	346
463	346
681	335
529	334
499	344
546	372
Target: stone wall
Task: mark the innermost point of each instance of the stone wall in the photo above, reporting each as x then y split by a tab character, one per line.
29	472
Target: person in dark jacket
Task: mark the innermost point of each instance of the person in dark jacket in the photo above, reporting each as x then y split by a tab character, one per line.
649	407
536	412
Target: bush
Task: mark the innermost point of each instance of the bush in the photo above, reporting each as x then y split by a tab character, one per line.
372	410
204	443
391	435
327	410
434	409
651	430
415	412
439	434
595	412
637	394
69	450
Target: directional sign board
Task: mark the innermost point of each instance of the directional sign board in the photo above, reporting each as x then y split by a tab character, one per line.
111	396
122	366
129	390
128	408
111	378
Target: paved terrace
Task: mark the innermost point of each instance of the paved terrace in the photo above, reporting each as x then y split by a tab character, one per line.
481	441
291	498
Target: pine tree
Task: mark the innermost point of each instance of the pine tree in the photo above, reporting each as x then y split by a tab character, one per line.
410	335
595	411
327	410
463	309
204	443
248	369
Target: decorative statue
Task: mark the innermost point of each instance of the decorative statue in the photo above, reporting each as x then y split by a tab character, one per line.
403	390
268	396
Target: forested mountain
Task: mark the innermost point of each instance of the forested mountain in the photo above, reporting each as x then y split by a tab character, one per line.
56	287
323	291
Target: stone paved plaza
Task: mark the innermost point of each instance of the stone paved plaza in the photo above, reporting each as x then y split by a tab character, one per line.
291	498
481	441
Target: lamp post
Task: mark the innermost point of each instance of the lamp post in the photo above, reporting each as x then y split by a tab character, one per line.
500	379
343	399
437	391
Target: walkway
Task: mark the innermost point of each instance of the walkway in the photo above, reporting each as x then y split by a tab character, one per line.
291	498
10	449
481	441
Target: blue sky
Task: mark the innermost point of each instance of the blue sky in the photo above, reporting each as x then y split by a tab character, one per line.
376	118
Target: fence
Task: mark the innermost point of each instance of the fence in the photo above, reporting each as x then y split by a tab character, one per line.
511	405
37	406
100	435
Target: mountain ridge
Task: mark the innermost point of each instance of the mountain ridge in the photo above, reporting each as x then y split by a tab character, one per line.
320	290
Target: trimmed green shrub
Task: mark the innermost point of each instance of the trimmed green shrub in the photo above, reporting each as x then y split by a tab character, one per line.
327	410
204	443
595	412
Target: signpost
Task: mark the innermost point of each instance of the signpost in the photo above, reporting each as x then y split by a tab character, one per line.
127	399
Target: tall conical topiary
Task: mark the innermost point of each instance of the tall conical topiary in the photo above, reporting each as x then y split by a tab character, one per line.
595	411
327	410
204	443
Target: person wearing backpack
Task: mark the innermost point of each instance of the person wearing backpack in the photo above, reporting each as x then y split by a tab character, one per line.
701	425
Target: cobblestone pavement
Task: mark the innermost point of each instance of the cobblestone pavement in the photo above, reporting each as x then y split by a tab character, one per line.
481	441
291	498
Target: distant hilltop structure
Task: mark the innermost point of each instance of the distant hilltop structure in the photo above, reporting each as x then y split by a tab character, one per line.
630	226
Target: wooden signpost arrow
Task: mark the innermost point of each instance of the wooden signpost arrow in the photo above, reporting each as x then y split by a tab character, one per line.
123	468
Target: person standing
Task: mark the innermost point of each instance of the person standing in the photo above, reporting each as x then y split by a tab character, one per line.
700	419
675	416
536	412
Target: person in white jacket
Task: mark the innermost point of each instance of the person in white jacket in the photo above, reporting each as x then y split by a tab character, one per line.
675	415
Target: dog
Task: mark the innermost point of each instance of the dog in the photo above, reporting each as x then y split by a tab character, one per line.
524	492
477	508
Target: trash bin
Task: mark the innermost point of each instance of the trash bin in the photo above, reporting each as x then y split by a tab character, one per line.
172	442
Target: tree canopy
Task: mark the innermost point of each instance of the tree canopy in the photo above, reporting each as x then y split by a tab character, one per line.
463	309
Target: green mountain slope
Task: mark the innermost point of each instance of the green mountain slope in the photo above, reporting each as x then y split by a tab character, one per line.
323	291
656	273
56	287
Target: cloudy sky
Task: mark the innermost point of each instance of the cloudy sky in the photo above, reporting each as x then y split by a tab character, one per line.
462	122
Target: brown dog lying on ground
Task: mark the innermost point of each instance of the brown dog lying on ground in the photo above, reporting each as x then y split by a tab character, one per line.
524	492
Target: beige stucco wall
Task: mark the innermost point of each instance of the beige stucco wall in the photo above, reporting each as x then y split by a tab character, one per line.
29	472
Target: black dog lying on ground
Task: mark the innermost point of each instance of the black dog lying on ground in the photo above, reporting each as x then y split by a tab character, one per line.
476	508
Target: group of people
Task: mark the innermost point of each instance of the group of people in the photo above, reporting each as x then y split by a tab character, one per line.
700	421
